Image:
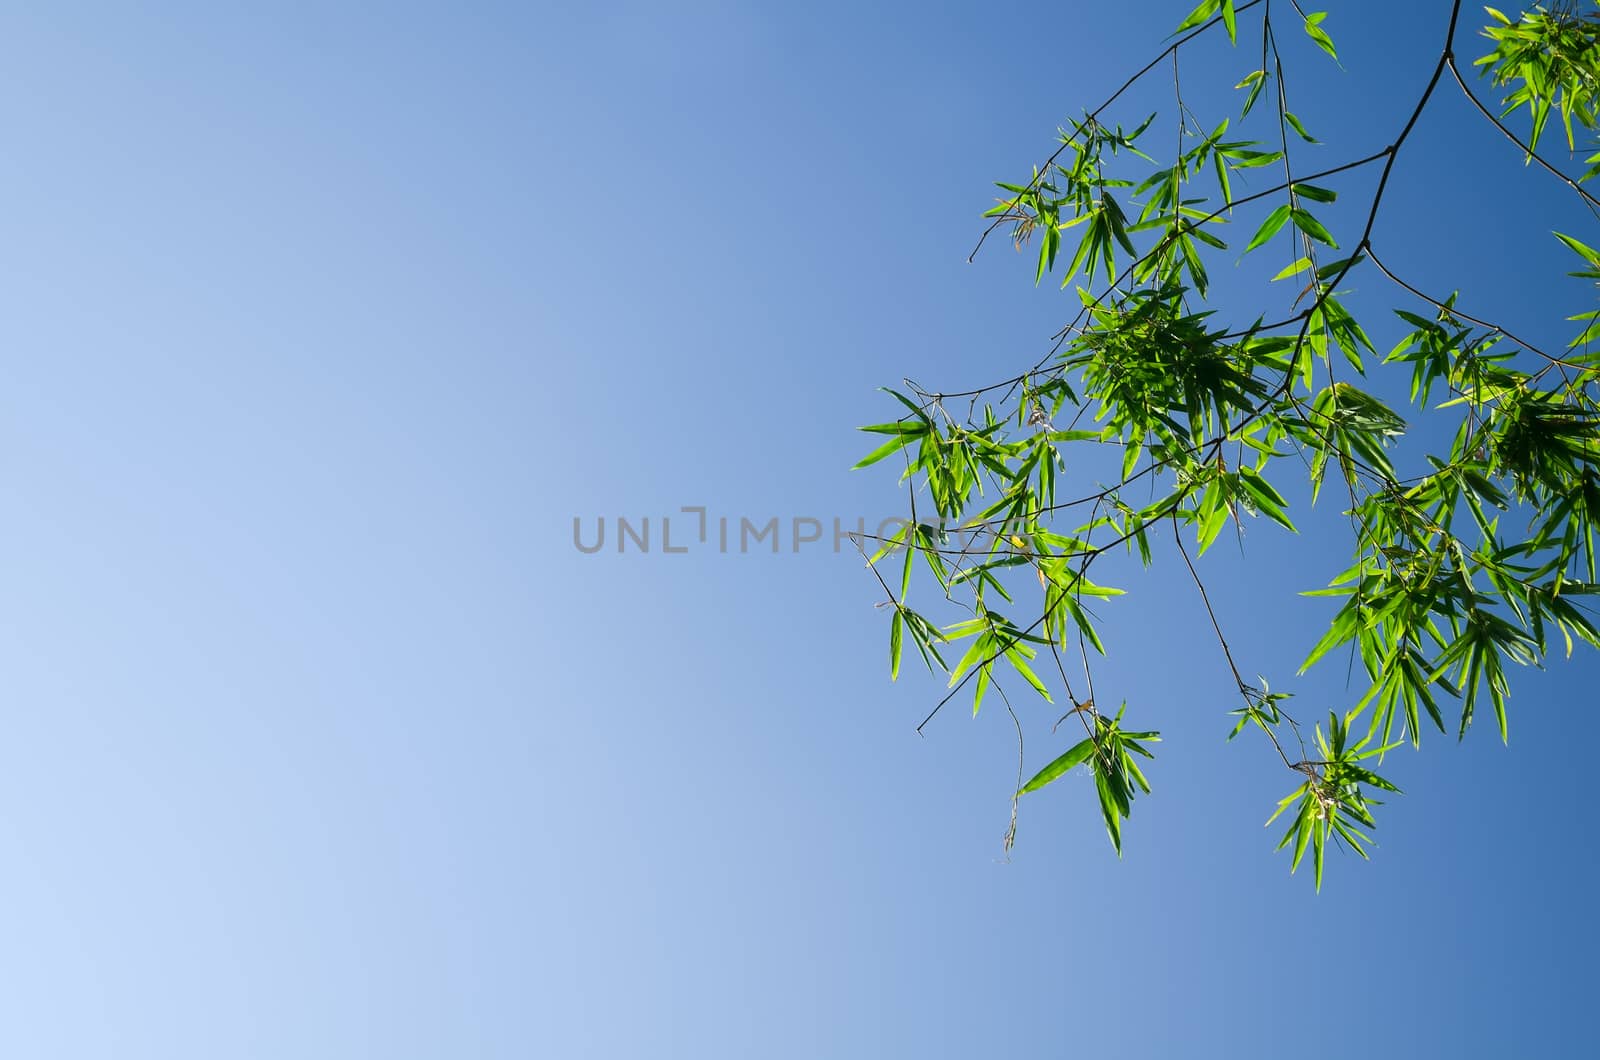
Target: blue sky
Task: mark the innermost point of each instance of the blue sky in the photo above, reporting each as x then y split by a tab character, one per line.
323	323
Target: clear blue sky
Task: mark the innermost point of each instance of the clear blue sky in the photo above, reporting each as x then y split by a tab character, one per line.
322	323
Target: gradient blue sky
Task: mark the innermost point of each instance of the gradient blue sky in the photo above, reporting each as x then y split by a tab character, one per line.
321	323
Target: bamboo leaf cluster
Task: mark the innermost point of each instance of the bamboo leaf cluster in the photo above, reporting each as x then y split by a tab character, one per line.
1464	461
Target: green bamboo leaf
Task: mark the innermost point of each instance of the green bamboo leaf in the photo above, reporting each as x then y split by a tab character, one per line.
1200	14
1081	620
916	410
898	427
1318	841
1368	777
891	446
1047	251
1269	228
1267	500
1314	193
1343	629
1294	122
1252	81
1017	660
1283	804
976	651
1583	249
1315	31
1305	824
1294	268
1109	807
1243	159
1260	487
1075	756
1312	227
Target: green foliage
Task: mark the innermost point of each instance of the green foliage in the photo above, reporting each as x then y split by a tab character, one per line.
1551	61
1332	803
1469	556
1109	752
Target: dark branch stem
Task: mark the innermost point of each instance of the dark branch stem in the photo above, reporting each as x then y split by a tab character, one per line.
1528	151
1468	317
1227	653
